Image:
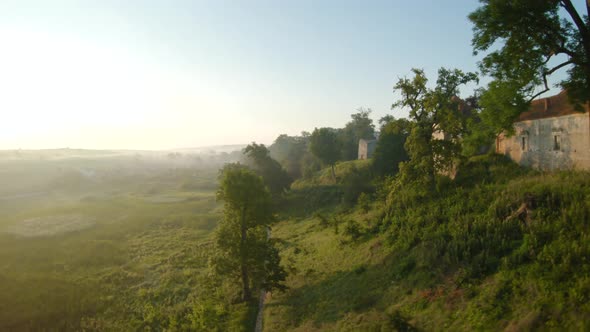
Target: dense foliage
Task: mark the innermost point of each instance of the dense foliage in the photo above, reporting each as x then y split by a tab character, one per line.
390	149
360	127
325	146
274	176
243	249
526	42
293	154
432	111
500	247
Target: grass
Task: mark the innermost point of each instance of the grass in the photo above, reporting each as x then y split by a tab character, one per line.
102	273
460	259
51	225
324	176
127	253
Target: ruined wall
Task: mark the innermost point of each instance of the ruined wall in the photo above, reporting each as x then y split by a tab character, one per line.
552	143
366	148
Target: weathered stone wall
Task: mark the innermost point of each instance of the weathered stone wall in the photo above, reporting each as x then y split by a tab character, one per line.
366	148
552	143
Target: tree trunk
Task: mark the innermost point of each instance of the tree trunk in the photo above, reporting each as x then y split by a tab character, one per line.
333	173
246	294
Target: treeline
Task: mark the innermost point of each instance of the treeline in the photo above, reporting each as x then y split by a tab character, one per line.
302	156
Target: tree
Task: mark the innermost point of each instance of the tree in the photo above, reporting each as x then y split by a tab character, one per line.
290	152
390	149
243	250
272	173
432	110
535	40
387	118
360	127
325	146
476	139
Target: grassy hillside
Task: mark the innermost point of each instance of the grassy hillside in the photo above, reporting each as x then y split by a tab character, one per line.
500	248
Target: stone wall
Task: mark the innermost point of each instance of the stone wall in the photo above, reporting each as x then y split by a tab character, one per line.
366	148
552	143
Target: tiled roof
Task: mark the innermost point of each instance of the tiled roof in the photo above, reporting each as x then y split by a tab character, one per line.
558	105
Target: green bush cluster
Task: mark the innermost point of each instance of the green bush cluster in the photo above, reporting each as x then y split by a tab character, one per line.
531	230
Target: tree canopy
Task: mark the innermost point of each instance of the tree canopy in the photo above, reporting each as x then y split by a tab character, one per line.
325	146
274	176
290	151
390	149
360	127
526	41
431	110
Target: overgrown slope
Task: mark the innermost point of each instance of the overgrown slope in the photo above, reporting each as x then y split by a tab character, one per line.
498	248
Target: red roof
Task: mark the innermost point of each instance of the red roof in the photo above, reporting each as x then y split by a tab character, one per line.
558	105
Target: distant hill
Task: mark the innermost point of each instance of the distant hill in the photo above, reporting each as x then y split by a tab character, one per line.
61	153
212	149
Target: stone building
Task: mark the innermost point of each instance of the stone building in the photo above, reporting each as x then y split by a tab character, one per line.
551	135
367	148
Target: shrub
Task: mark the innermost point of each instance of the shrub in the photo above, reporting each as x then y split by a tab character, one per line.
352	230
355	183
364	202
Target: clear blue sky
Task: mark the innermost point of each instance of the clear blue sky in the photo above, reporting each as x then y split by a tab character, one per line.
165	74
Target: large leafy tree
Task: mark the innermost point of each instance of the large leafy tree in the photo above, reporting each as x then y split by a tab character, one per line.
325	146
290	151
244	250
273	174
526	41
432	109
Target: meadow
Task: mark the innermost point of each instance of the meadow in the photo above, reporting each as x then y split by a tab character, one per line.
104	241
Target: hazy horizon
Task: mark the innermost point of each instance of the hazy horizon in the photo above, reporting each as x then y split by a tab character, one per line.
164	75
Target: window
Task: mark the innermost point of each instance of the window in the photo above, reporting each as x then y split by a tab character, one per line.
523	143
556	143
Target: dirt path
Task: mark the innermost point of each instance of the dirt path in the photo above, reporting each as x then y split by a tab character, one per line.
258	327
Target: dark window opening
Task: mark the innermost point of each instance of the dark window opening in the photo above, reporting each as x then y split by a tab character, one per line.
556	143
523	143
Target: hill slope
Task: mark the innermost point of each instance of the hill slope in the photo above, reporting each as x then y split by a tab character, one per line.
499	248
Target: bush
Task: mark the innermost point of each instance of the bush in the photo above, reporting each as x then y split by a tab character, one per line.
364	202
352	230
355	183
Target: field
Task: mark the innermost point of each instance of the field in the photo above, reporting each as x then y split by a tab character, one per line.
104	242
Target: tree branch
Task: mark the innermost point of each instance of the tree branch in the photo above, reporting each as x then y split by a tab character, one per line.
549	72
544	90
569	7
554	69
564	50
540	93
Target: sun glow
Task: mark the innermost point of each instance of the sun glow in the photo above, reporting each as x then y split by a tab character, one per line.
65	91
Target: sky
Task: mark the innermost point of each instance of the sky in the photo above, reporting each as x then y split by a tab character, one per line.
114	74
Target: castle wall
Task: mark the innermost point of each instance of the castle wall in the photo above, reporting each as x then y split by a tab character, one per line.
551	143
366	148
